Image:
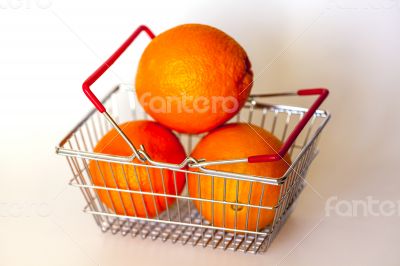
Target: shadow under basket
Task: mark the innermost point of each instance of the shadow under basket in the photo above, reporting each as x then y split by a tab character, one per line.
182	222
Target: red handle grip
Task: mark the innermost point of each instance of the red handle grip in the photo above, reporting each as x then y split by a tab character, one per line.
323	93
106	65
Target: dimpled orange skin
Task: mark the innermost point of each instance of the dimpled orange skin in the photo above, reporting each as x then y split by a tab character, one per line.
205	74
238	140
162	145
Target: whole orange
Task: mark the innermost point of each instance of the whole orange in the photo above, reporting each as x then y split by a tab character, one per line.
234	141
193	78
162	145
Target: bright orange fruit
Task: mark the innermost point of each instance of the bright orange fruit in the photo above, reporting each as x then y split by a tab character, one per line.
162	145
231	141
193	78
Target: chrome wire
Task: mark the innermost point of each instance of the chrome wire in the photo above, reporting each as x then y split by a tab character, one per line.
183	222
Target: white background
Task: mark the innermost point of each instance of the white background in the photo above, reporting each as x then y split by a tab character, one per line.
48	47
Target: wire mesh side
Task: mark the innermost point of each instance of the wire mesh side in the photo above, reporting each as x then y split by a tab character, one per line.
183	221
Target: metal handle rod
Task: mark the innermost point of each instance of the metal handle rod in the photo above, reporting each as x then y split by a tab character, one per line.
100	71
106	65
323	93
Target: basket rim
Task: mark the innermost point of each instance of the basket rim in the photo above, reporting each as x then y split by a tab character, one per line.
251	103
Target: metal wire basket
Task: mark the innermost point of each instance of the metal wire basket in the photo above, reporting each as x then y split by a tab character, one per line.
298	127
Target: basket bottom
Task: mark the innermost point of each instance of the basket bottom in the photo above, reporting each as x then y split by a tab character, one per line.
187	227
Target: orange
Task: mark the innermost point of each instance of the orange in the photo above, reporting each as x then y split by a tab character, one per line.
162	145
234	141
193	78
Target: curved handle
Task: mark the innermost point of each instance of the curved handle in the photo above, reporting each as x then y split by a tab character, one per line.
323	93
106	65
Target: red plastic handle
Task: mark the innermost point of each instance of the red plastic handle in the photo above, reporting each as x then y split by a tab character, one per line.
106	65
323	93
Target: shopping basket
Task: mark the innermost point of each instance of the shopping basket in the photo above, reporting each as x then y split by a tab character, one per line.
299	129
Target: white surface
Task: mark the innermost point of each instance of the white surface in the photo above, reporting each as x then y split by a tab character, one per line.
49	48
